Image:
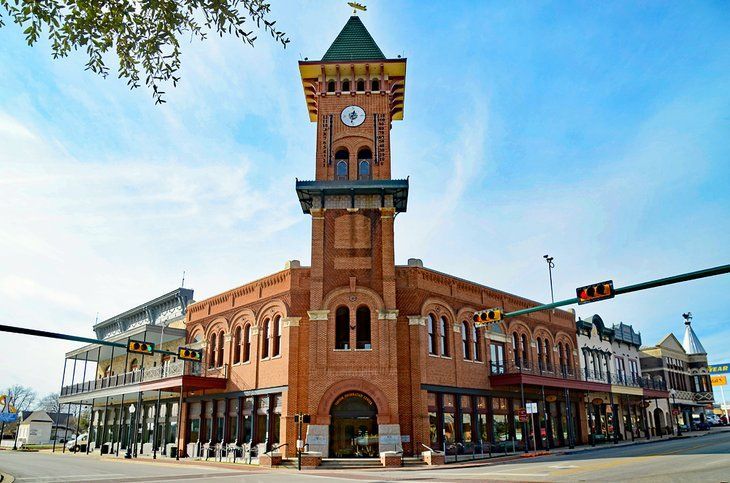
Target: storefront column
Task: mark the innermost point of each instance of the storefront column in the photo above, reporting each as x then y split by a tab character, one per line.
180	429
139	420
119	426
548	433
525	436
58	416
614	417
155	436
628	420
569	419
103	431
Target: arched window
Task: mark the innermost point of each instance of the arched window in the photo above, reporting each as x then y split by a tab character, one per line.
568	360
539	353
376	84
360	86
525	352
211	350
237	345
432	347
221	340
362	331
364	161
342	328
277	337
561	356
247	343
331	85
516	348
477	341
444	333
346	85
134	365
265	338
342	158
465	343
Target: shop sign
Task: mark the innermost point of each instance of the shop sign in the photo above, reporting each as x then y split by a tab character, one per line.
597	401
675	412
389	438
719	368
348	395
551	398
405	438
718	380
522	415
531	408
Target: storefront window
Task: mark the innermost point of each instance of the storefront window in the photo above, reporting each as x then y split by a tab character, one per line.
519	434
449	410
466	419
500	421
194	430
247	415
433	420
262	410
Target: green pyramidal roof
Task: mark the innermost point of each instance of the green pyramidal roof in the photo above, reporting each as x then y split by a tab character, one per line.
353	43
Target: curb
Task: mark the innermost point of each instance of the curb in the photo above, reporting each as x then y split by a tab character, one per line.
635	443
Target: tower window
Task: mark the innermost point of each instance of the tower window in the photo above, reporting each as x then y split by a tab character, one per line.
342	328
362	333
331	85
364	160
376	84
360	85
346	85
341	166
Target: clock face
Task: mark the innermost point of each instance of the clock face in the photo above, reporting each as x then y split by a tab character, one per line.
352	116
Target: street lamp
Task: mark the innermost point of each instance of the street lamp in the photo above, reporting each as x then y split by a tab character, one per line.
551	265
673	392
129	437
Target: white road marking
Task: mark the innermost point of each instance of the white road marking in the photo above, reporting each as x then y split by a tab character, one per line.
563	467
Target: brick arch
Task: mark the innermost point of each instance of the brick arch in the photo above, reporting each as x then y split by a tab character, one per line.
215	326
465	313
271	309
520	327
431	304
335	296
243	317
542	332
198	330
360	385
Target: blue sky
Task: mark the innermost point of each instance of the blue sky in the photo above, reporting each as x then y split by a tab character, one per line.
595	133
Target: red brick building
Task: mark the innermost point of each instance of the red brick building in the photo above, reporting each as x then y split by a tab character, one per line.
381	356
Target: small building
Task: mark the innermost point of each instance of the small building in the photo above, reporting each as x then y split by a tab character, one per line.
35	428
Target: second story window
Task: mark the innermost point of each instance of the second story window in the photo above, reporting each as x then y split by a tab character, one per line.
496	356
212	344
277	337
342	328
221	339
465	342
477	341
247	343
444	334
362	331
265	339
237	346
432	346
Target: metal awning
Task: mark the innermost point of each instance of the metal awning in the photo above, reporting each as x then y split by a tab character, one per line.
90	352
308	191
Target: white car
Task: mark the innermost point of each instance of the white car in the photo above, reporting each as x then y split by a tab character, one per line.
79	443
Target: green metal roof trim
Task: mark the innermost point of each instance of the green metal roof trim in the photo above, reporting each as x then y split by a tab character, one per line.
354	42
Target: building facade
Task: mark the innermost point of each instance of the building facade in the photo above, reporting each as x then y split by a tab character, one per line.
619	407
684	367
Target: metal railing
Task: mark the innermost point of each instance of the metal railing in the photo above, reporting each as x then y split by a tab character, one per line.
144	374
565	372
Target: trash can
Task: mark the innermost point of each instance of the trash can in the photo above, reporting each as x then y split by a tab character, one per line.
173	452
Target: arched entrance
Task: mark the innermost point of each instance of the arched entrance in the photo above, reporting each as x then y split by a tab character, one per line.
354	426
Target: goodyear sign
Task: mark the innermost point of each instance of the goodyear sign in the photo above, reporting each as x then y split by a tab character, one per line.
719	368
718	380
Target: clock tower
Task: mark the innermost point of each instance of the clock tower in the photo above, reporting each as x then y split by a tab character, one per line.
354	93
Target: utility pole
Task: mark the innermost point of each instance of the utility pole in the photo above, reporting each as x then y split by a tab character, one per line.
551	265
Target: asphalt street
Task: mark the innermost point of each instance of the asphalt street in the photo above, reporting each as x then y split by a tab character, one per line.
685	460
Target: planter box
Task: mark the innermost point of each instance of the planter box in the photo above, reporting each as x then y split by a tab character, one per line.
311	459
433	458
269	460
390	459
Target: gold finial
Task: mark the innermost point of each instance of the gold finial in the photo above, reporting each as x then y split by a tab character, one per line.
357	6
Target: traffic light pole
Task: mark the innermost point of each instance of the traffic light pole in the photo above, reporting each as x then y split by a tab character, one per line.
75	338
685	277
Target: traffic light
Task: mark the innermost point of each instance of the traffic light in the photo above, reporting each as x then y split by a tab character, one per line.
484	317
147	348
185	354
597	291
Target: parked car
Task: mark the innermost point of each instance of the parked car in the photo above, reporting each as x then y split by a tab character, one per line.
79	443
700	426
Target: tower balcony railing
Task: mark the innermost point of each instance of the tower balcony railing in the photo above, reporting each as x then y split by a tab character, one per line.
146	374
704	397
